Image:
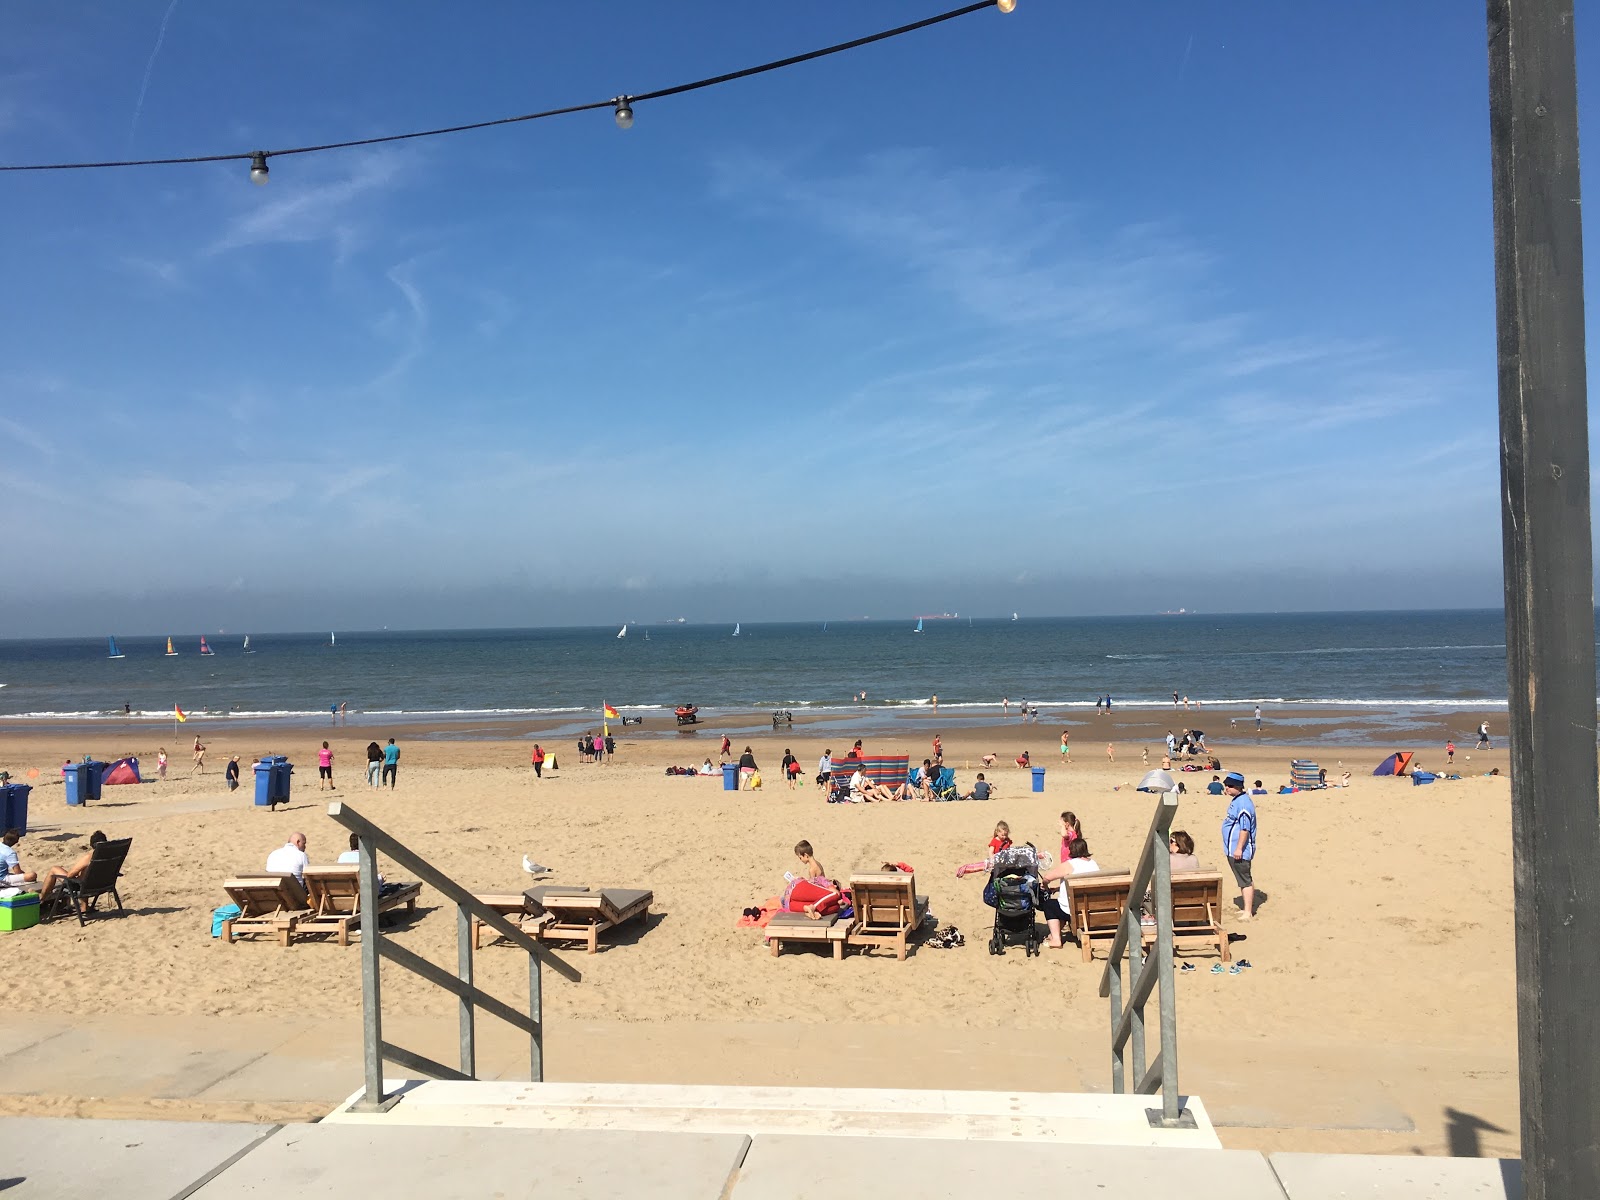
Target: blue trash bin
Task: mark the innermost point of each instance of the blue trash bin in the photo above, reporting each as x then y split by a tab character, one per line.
730	777
263	771
1038	779
14	806
282	768
97	774
74	775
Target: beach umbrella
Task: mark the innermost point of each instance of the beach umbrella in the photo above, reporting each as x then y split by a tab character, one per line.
1158	781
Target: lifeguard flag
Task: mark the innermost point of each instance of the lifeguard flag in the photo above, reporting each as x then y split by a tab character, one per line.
611	713
179	713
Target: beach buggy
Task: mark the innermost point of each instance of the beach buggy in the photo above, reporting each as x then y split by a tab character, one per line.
1013	893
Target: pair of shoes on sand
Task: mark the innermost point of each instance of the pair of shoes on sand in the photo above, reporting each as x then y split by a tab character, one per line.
753	913
945	939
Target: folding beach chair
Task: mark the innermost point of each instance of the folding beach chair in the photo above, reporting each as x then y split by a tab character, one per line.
82	895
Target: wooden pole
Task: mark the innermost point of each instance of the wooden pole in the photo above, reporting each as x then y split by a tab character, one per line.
1549	590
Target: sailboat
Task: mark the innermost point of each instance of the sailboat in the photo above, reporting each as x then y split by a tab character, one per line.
824	627
623	632
918	629
332	641
171	653
205	649
247	649
736	629
1013	616
115	653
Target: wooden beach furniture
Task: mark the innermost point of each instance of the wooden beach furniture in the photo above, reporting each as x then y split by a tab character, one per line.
267	904
1095	904
335	896
1196	912
579	914
513	906
82	895
887	909
831	930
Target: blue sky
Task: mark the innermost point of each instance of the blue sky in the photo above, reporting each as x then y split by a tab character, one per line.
1067	311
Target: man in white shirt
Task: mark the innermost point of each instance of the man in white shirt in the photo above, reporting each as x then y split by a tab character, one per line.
352	856
290	858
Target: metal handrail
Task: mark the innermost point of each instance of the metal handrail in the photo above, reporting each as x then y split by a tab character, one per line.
370	841
1147	974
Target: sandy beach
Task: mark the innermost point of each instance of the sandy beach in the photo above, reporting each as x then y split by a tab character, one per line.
1378	1010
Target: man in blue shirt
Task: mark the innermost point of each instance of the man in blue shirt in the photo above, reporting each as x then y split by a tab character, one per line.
1215	786
1239	840
391	764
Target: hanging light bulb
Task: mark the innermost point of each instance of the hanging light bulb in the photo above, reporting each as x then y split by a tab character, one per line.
1005	5
624	112
258	168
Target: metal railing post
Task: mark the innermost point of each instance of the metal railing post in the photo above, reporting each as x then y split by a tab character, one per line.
469	1054
536	1015
1130	919
1166	998
1114	978
371	994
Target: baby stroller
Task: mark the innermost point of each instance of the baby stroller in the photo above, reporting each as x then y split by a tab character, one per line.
1013	893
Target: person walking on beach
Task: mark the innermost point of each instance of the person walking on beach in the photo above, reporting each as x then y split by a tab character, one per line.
1066	746
538	761
1111	752
1239	841
391	764
1450	752
161	763
374	763
938	750
1174	699
727	748
231	774
199	767
325	768
1483	736
1099	704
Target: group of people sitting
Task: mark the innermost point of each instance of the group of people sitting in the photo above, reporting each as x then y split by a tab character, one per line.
927	782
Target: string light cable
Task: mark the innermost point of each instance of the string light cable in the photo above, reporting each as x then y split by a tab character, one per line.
622	107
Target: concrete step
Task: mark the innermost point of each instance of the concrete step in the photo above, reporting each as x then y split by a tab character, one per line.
1073	1118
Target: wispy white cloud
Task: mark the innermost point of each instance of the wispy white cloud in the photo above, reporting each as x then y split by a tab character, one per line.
304	204
16	431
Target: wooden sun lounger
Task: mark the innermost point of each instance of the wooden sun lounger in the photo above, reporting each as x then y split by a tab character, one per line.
887	908
513	906
1196	912
797	927
335	895
1095	904
267	904
578	914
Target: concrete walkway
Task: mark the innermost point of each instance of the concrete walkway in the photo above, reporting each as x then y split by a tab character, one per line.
154	1160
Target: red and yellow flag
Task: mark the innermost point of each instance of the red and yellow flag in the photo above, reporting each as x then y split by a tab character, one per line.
179	713
611	713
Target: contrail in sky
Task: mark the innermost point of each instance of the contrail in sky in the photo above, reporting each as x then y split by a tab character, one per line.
1181	66
150	66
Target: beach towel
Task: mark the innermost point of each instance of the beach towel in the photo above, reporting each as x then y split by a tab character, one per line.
768	907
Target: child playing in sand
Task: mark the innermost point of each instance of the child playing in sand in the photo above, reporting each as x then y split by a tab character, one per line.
1001	839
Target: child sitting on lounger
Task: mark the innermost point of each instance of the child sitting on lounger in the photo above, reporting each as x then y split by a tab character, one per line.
811	891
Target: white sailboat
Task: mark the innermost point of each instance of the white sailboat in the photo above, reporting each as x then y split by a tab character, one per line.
736	629
918	629
171	653
115	653
623	632
332	641
1013	616
247	649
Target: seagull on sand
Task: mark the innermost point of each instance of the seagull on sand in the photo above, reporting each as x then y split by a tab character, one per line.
533	868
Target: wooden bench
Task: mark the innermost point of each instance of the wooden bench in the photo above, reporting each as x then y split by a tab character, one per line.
1096	902
513	906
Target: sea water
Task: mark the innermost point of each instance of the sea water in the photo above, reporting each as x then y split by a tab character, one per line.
1389	660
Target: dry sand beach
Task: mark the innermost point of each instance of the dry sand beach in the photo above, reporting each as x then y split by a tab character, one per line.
1378	1013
